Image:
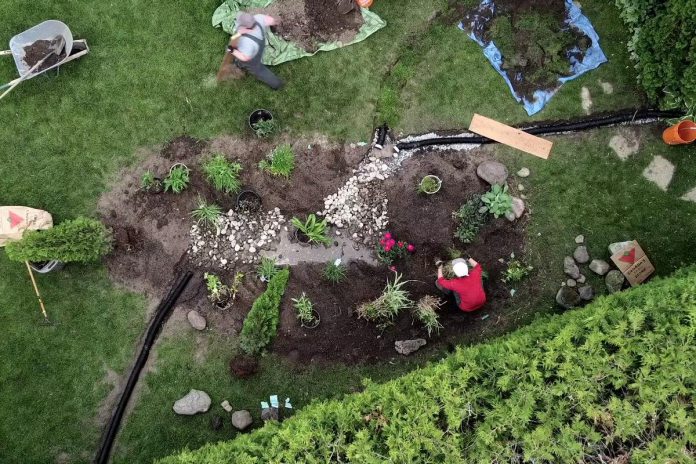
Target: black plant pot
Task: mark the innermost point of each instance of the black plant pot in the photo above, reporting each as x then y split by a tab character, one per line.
258	116
299	237
315	322
249	201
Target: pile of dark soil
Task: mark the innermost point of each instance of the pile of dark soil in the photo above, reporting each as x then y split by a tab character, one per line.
151	233
535	42
38	50
309	23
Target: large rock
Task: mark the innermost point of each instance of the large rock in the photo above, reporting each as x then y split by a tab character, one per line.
618	246
614	281
407	347
581	254
599	266
196	320
586	293
194	402
570	268
517	207
492	172
568	297
241	419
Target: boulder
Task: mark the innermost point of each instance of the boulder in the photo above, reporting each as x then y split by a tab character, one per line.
241	419
407	347
524	172
194	402
614	281
568	297
196	320
580	239
492	172
570	268
517	207
599	266
581	254
586	293
618	246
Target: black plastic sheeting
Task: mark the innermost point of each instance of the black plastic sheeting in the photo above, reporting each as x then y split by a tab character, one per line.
153	330
554	128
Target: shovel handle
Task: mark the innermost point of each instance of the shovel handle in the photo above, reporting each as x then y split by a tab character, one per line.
5	52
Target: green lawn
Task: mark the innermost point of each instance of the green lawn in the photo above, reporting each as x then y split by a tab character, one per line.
146	80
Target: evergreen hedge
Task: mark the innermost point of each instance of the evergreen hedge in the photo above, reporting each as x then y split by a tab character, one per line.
663	46
614	382
261	324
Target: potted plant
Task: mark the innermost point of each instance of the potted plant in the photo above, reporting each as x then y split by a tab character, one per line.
151	184
80	240
430	184
249	201
308	316
218	293
262	123
311	231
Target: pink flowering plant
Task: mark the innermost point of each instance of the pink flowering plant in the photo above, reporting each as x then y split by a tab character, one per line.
390	249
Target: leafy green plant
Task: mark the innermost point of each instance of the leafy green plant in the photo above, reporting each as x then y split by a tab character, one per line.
425	311
236	284
454	253
267	269
497	200
429	185
147	181
206	214
335	271
261	324
516	271
388	305
265	128
315	231
305	309
280	162
80	240
223	174
470	217
217	291
178	178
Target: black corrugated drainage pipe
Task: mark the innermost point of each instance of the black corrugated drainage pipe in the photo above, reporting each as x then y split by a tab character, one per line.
153	330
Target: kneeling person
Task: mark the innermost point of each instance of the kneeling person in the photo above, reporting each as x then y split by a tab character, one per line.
467	286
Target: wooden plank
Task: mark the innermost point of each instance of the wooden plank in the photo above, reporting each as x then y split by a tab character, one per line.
510	136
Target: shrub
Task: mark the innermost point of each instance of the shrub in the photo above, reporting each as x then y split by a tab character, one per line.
662	48
390	250
497	201
280	162
265	128
613	382
223	174
315	231
178	179
304	308
261	324
206	214
425	311
470	217
390	303
335	272
80	240
267	269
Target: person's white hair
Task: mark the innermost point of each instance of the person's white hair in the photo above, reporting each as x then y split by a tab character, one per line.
460	268
245	20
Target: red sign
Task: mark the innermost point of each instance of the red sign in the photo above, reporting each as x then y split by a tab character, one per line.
15	220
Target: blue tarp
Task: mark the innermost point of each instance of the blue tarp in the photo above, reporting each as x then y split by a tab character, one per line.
593	57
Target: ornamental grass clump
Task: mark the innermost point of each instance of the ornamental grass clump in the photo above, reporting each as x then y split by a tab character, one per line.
305	310
80	240
267	269
335	271
206	214
223	174
425	311
280	162
390	303
390	249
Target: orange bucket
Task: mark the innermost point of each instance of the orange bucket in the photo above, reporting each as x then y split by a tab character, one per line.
364	3
679	134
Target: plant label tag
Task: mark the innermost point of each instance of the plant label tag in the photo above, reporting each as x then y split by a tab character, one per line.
633	263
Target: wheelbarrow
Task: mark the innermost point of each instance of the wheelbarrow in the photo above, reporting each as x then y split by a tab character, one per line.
50	31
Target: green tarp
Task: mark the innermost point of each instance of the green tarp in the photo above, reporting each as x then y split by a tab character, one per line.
279	50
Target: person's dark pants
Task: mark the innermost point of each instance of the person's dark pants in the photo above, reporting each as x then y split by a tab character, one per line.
261	72
447	292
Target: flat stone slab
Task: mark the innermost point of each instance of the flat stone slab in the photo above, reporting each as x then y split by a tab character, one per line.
194	402
690	195
660	172
289	253
624	144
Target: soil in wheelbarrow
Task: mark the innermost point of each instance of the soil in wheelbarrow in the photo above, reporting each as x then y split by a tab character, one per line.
309	23
38	50
535	42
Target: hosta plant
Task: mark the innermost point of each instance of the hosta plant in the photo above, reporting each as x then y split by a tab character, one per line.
265	128
497	200
314	231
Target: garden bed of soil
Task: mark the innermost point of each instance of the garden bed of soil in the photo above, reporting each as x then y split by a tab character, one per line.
152	239
532	35
309	23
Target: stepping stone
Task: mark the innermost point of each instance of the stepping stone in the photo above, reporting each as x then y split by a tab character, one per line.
690	195
586	100
624	144
660	172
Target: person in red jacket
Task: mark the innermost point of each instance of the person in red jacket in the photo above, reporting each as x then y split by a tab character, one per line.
467	286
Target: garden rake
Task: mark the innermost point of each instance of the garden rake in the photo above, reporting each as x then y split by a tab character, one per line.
38	295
